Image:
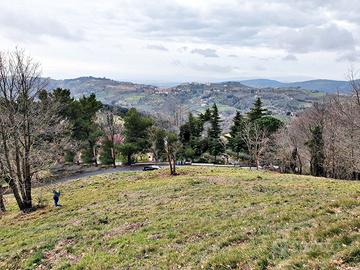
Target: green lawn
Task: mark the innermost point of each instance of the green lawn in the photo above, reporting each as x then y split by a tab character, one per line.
205	218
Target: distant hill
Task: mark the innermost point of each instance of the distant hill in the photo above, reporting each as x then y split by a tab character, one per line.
262	83
327	86
102	87
169	103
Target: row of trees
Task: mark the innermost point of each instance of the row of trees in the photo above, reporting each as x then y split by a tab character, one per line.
249	135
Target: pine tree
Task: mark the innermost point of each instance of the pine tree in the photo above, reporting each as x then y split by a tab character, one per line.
257	111
215	130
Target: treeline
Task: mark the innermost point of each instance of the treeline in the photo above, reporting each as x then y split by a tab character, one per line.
39	128
203	140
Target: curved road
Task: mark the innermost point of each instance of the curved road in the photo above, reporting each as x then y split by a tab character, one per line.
88	174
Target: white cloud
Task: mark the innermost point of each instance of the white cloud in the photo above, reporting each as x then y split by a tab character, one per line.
108	38
157	47
205	52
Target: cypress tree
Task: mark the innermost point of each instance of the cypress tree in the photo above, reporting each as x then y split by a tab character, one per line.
215	130
236	142
216	147
316	147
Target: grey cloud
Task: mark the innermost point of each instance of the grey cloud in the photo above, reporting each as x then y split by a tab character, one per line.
297	26
290	57
156	47
26	26
328	38
205	52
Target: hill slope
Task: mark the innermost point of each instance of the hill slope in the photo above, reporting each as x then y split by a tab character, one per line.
191	97
205	218
102	87
327	86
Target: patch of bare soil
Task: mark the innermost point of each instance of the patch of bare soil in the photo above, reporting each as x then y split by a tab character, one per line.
219	180
60	252
130	227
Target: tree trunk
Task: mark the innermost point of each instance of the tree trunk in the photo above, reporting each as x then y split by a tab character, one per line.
2	204
15	190
113	156
257	163
170	164
300	164
28	197
174	166
95	155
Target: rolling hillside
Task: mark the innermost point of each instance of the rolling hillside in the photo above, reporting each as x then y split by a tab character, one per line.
327	86
190	97
204	218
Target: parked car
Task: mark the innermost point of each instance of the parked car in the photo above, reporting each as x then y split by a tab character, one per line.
151	168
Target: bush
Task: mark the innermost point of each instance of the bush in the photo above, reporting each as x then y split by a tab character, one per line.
69	156
87	156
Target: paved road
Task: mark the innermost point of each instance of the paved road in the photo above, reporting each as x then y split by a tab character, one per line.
92	173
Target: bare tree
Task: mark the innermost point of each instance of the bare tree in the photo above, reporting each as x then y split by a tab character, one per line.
30	130
256	140
112	128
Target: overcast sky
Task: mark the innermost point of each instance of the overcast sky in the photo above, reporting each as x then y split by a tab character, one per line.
186	40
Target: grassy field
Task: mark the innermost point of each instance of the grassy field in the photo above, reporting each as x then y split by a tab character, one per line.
205	218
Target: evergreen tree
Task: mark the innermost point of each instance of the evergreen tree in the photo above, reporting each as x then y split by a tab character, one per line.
216	147
190	137
81	114
215	130
257	111
106	156
235	140
84	127
206	116
269	124
137	139
316	147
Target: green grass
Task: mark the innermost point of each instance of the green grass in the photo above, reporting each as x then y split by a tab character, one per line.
205	218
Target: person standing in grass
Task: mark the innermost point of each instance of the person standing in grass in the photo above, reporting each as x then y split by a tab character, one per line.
56	197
